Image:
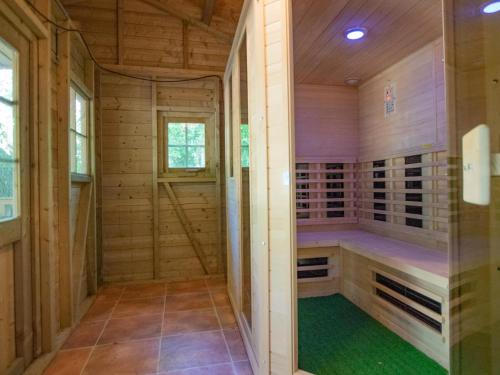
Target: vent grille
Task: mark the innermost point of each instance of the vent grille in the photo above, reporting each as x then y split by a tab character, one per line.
312	268
412	295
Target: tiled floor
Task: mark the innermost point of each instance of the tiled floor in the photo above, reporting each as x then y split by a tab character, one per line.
183	328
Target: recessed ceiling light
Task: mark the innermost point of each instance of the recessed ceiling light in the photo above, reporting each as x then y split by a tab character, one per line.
352	81
355	33
491	7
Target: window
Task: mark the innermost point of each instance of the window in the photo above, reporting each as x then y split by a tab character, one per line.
186	145
245	146
79	133
9	152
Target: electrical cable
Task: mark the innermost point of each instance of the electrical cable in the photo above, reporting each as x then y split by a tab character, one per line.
104	69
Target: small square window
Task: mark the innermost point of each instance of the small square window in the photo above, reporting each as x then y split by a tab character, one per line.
186	145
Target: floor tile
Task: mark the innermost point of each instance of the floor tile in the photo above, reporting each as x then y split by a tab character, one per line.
149	290
175	323
85	334
220	298
217	283
243	368
68	362
223	369
134	307
110	293
131	328
137	357
235	345
100	310
193	350
186	287
226	317
192	301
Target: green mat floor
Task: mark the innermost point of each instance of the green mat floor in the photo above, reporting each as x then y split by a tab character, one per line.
338	338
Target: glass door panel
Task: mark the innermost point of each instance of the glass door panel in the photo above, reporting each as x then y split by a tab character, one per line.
473	79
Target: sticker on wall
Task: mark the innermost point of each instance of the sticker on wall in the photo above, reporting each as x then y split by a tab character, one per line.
390	99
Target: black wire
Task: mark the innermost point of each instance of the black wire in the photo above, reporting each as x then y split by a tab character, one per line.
102	68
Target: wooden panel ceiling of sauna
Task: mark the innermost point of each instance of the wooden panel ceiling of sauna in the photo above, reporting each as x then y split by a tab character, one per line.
395	30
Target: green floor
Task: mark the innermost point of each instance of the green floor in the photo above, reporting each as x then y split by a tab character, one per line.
336	337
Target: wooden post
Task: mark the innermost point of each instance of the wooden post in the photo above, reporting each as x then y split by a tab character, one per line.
47	274
156	210
119	31
63	176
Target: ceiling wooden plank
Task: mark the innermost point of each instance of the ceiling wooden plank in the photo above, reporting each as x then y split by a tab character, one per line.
395	29
176	12
208	11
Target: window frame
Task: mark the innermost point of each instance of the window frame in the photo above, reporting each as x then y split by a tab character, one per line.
8	49
72	156
207	118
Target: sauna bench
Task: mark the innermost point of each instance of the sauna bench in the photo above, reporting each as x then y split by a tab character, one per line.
420	262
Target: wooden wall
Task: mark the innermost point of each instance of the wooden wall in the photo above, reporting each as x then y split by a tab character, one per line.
326	121
127	175
419	121
142	236
136	33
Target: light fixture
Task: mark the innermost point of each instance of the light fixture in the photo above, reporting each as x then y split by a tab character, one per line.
355	33
352	82
491	7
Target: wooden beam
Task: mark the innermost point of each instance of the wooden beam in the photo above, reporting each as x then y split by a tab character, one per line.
208	11
45	187
178	13
28	16
119	31
63	177
156	208
72	2
186	224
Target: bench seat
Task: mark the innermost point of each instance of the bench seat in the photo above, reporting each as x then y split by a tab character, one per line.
423	263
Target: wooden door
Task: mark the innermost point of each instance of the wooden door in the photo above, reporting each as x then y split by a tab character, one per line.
15	264
473	89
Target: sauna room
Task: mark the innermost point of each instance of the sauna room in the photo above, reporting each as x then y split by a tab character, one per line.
372	187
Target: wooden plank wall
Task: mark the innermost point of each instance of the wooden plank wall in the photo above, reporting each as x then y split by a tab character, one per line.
128	238
326	121
7	307
127	167
150	37
419	121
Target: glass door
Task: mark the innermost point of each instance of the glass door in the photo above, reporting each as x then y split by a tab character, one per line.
472	28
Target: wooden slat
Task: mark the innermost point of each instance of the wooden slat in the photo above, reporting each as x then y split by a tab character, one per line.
188	228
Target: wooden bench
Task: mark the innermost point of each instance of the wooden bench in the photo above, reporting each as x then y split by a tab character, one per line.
404	286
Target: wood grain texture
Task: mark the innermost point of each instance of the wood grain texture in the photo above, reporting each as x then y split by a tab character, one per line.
419	120
326	121
395	30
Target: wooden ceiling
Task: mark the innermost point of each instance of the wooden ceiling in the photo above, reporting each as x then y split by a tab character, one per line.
396	28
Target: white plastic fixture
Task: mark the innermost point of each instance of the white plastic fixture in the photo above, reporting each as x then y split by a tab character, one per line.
355	33
476	165
491	7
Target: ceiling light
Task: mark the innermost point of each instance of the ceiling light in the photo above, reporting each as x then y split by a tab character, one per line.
352	81
491	7
355	33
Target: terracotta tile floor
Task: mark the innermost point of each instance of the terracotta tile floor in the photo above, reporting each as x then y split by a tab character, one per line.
182	328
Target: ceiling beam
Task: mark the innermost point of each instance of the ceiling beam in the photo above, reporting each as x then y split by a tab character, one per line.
178	13
208	11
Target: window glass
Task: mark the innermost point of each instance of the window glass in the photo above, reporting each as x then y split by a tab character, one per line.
9	159
79	122
186	145
245	145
